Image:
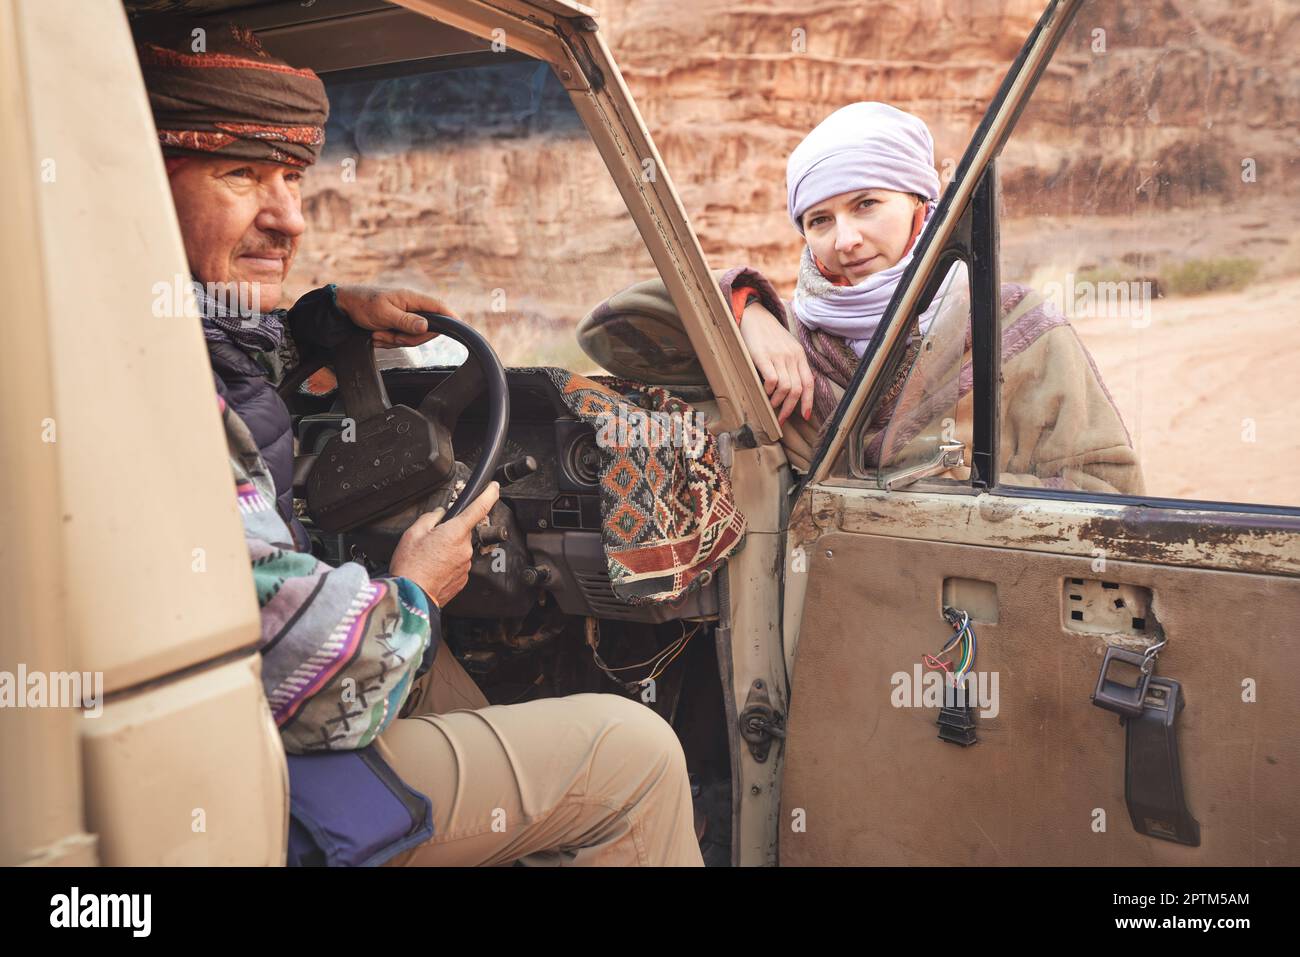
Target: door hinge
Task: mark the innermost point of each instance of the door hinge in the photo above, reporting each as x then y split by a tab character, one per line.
760	722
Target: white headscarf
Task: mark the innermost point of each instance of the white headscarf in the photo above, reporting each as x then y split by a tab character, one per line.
861	146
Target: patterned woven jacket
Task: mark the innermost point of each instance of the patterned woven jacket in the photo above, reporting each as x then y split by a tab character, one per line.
340	649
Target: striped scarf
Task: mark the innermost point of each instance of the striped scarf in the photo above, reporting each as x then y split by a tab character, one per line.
226	318
834	358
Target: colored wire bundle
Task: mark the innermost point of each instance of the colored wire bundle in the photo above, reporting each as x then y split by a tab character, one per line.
963	635
658	662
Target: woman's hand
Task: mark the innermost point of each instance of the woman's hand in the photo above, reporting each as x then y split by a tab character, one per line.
780	360
389	314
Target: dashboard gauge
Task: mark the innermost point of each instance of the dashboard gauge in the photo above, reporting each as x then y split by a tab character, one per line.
582	459
542	482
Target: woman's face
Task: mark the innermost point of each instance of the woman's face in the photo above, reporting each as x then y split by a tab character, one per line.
860	233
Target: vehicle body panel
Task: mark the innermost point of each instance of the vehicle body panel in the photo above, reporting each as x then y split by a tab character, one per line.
152	580
878	787
868	572
40	790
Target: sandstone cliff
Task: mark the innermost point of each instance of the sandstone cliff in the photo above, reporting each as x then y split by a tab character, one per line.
1139	132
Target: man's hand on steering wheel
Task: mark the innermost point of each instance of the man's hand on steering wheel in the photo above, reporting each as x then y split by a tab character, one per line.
436	555
390	314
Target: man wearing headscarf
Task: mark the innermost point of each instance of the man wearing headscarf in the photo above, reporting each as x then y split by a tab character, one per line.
238	128
599	776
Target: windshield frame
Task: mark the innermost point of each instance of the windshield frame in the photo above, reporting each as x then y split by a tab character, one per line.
569	41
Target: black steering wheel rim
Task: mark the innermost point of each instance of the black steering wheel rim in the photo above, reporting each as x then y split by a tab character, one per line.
493	376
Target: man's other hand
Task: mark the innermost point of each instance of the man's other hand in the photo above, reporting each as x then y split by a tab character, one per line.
389	314
437	556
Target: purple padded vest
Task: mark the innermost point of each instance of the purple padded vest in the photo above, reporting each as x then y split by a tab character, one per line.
245	386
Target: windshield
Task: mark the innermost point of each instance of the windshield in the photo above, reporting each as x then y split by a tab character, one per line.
479	185
1148	195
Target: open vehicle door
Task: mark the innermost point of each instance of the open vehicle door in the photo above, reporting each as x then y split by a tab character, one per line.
1011	478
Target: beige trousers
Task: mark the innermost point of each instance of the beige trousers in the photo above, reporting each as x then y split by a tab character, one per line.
589	779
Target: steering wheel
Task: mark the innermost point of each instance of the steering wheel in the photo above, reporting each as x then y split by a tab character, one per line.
392	455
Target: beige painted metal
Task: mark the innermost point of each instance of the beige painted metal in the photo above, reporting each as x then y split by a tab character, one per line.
760	480
406	35
964	188
190	772
621	136
103	522
1192	538
1047	759
521	27
156	563
40	774
800	538
1110	531
565	8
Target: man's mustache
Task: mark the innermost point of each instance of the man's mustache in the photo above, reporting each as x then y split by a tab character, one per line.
269	250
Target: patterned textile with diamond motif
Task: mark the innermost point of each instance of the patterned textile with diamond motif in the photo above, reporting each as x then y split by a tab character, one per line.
668	515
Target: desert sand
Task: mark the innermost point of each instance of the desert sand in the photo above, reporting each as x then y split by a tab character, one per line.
1210	392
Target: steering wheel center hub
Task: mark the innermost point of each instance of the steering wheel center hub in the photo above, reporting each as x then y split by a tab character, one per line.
394	459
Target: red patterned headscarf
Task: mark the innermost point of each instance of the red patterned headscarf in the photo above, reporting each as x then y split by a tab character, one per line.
217	92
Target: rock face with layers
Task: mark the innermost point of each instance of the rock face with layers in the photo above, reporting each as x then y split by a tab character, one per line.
1137	135
1146	105
482	212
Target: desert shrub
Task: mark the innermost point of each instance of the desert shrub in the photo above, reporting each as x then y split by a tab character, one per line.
1197	276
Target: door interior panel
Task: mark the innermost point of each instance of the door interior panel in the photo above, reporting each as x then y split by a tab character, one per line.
876	785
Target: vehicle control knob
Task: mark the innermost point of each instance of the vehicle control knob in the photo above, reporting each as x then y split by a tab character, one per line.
489	535
514	471
535	575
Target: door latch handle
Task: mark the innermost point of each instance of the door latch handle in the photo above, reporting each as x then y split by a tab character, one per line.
950	455
1153	773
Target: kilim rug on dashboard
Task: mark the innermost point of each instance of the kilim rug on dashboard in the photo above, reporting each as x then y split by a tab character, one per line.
667	510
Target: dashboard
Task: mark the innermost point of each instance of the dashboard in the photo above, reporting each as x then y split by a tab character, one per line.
556	510
564	492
